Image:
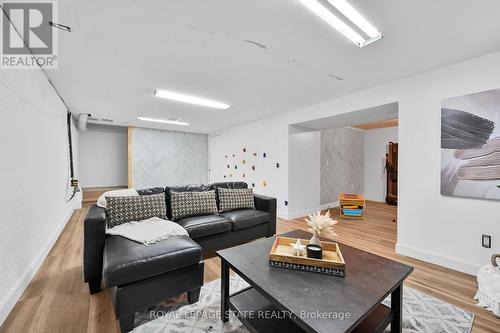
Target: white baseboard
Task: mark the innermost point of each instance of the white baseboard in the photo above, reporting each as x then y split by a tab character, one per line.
13	295
330	205
282	215
448	262
370	198
304	212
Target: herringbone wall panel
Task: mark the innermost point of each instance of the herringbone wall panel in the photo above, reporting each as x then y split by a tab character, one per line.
162	158
342	163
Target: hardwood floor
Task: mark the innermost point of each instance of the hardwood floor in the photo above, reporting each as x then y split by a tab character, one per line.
57	300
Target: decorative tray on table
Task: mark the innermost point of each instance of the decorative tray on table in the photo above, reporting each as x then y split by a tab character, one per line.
282	255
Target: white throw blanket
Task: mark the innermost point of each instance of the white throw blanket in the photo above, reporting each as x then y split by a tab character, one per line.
148	231
128	192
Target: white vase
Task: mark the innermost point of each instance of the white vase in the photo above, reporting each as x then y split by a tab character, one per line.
315	240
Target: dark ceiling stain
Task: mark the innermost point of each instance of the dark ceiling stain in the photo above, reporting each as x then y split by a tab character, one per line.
192	27
297	62
77	22
228	35
262	46
338	78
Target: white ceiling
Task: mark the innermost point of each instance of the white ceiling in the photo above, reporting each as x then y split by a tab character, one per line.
263	57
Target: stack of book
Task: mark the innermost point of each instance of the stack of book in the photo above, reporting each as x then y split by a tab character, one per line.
352	206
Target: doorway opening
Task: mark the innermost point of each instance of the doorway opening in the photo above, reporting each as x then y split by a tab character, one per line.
354	153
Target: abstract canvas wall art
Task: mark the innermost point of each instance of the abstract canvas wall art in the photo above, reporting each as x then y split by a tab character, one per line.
470	145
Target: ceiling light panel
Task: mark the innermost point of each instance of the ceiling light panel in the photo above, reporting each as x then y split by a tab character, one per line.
185	98
164	121
353	16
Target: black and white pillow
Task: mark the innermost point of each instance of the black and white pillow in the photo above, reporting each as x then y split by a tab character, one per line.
232	199
121	210
186	204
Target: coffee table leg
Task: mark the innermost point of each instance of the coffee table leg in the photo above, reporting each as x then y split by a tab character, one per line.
396	306
224	274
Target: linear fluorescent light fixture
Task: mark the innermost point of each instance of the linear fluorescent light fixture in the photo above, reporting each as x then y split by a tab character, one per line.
351	14
164	121
191	99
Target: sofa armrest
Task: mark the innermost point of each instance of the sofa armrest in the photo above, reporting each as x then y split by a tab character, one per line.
267	204
94	233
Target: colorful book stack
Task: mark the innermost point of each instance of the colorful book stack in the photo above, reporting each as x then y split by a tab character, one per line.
352	206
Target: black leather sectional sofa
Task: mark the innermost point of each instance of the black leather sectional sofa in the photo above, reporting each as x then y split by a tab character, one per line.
140	276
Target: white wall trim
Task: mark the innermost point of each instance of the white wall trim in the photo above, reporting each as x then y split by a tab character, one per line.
304	212
373	198
11	298
452	263
329	205
282	215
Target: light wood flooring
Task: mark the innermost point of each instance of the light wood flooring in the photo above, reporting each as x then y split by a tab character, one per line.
57	300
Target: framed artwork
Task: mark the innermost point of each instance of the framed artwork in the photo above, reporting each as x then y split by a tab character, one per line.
470	145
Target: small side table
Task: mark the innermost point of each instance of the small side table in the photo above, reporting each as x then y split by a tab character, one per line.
488	292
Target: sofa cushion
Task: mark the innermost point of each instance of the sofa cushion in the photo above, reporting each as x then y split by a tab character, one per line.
201	226
231	185
126	192
246	218
135	208
235	199
126	261
184	188
151	190
186	204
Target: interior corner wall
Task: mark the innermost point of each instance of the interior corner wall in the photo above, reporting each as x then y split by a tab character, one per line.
376	146
34	178
103	156
342	164
168	158
304	173
434	228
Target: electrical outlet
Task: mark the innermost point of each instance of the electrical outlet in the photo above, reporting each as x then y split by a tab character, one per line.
74	182
486	241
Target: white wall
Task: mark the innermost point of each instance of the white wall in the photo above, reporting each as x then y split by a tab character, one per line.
103	156
376	146
270	137
34	178
431	227
304	173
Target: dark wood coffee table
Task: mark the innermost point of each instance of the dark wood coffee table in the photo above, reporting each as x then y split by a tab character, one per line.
284	300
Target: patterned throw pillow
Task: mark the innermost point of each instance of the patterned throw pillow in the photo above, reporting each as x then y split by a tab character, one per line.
121	210
232	199
186	204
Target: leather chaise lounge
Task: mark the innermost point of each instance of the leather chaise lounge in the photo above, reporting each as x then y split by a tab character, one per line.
140	276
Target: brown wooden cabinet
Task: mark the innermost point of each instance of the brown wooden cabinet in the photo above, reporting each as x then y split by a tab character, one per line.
391	167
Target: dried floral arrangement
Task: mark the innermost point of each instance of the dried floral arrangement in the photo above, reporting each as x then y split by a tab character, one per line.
321	225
